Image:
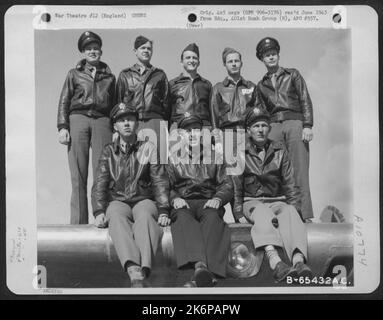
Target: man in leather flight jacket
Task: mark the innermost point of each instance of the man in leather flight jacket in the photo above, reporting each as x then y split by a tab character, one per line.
199	189
131	195
266	195
146	87
232	97
189	92
86	100
283	92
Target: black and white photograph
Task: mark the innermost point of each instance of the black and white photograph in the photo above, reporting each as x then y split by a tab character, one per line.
230	150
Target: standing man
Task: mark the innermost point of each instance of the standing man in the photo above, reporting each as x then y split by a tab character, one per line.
233	96
146	87
83	120
189	92
266	196
283	92
230	100
131	193
198	191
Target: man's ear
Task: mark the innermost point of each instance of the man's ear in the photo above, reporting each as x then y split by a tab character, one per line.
115	127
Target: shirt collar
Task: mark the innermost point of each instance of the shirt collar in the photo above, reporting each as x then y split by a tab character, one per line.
184	76
121	145
229	80
278	73
92	69
252	148
102	67
89	66
141	69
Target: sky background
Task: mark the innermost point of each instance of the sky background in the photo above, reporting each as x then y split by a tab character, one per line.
323	56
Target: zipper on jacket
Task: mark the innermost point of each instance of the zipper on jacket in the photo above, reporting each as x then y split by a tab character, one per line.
232	111
194	96
236	98
276	90
144	87
93	91
131	171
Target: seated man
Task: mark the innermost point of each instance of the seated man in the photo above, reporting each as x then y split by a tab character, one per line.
267	179
127	182
198	191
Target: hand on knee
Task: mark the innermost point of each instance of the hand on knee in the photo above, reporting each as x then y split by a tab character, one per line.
100	221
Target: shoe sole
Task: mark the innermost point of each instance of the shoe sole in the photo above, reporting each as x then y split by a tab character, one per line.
190	284
204	278
292	273
137	284
305	274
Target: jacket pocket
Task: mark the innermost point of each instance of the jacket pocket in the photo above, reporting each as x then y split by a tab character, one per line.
224	110
251	185
249	180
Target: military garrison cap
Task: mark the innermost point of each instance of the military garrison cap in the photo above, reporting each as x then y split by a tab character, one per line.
140	40
122	109
189	119
86	38
228	51
191	47
256	114
266	44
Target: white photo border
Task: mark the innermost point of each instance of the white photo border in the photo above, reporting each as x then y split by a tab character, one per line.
20	166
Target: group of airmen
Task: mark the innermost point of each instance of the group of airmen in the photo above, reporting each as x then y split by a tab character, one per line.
135	192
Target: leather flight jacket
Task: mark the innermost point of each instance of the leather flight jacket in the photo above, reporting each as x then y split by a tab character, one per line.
271	178
130	177
199	181
148	92
192	96
230	101
83	94
289	100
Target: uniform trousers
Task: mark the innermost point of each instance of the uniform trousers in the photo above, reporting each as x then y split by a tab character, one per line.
290	232
134	231
290	132
86	133
201	235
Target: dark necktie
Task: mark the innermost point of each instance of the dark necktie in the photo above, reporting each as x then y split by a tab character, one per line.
274	79
92	70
